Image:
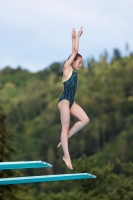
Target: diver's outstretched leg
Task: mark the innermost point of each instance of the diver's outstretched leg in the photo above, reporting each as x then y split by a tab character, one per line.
65	121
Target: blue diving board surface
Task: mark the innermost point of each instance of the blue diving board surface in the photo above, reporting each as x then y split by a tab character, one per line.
24	165
47	178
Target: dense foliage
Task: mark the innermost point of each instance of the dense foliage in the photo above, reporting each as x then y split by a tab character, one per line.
6	151
105	92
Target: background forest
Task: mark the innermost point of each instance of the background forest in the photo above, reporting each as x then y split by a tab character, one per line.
104	147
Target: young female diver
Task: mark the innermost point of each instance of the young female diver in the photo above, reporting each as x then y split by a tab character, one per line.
66	103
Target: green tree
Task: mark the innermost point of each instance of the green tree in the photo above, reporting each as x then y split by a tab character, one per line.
6	150
116	54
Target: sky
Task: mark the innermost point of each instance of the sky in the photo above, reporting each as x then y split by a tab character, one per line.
37	33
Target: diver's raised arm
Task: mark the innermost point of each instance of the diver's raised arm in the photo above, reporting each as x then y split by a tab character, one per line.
74	50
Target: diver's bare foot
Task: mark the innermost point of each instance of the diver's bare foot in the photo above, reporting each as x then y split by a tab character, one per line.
59	145
67	160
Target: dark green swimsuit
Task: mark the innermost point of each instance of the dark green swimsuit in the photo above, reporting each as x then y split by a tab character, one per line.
70	86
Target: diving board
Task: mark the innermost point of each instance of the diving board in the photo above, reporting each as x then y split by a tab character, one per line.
24	165
47	178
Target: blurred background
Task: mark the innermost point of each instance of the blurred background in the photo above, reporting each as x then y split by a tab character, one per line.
35	40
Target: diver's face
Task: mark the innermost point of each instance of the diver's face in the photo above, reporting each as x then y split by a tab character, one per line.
78	63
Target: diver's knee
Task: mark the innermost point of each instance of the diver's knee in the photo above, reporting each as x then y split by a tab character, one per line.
65	128
86	120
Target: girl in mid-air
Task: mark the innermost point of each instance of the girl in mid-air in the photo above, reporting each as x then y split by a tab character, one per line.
66	103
